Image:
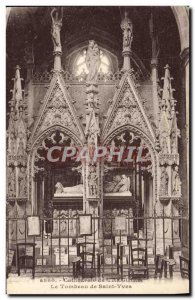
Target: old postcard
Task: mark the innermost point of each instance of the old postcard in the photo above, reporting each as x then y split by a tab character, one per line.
97	150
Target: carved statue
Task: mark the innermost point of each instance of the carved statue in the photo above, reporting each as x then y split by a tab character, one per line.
56	28
92	127
164	143
164	182
127	27
11	182
92	61
174	142
21	151
176	183
11	144
76	189
22	182
120	184
92	177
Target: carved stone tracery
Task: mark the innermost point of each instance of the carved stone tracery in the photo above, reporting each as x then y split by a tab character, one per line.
126	113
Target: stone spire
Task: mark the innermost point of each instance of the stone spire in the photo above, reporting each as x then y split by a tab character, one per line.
168	102
127	28
168	119
169	179
17	141
56	16
17	93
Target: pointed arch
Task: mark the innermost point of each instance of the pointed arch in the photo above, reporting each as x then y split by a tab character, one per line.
151	145
127	109
57	110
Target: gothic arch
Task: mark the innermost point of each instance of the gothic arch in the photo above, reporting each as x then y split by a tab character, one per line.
51	129
150	145
32	152
181	15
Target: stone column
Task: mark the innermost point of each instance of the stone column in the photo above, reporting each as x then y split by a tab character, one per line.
91	166
184	149
154	66
34	198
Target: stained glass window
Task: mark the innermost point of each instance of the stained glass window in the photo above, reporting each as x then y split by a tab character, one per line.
80	65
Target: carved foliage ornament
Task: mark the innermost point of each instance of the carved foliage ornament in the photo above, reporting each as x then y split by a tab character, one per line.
57	112
128	112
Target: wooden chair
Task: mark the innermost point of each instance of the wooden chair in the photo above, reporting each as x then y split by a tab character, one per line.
119	263
24	260
159	266
84	264
139	262
169	262
184	267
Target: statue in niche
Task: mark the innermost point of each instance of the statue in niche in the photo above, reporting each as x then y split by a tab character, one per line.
164	182
164	144
92	103
174	142
176	183
92	61
93	132
127	100
11	182
21	151
11	144
63	227
119	184
56	28
127	27
55	222
22	182
92	177
76	189
92	128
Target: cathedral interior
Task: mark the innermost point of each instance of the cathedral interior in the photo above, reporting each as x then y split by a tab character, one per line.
87	77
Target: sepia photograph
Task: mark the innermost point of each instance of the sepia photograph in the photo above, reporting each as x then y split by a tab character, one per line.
97	150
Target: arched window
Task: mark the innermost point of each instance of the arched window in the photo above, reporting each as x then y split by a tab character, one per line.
80	65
